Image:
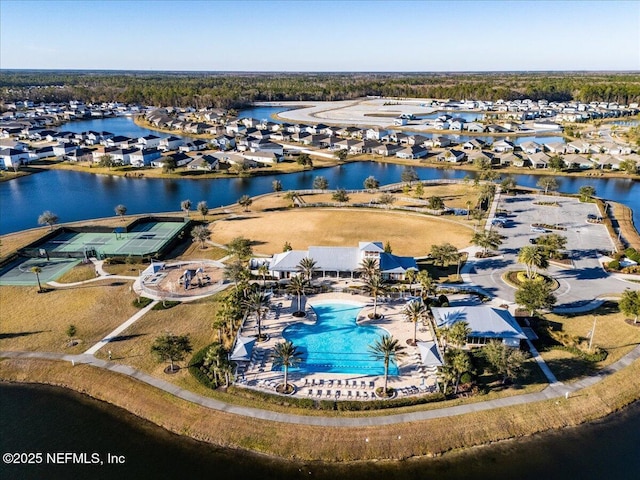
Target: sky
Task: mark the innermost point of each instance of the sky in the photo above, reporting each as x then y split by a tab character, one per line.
302	35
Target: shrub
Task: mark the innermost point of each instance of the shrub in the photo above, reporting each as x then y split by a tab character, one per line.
141	302
466	378
166	305
443	301
614	265
194	367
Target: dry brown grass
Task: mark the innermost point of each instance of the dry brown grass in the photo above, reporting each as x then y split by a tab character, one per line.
210	252
624	215
326	443
32	321
79	273
134	345
612	333
408	234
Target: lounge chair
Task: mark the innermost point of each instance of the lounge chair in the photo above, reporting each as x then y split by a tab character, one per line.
357	395
338	393
363	385
310	392
319	393
321	383
339	383
365	395
328	393
372	385
349	395
330	383
313	382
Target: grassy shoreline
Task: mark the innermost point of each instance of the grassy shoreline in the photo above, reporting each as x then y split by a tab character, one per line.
332	444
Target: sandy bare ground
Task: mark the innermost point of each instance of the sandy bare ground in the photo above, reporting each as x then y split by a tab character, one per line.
408	234
369	112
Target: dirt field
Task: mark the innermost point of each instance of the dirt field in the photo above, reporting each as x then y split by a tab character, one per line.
408	234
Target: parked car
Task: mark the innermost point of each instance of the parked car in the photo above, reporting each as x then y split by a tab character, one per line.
539	230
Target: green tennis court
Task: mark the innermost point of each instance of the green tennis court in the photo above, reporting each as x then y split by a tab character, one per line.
143	239
60	253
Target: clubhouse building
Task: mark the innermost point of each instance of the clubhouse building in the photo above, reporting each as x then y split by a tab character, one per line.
340	262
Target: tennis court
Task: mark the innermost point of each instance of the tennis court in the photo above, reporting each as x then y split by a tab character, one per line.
60	253
142	239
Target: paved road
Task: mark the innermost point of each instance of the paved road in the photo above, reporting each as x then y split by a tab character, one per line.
552	391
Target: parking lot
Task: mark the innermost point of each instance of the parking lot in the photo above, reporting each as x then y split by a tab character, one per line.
580	282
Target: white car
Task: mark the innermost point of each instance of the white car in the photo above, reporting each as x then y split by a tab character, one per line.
539	230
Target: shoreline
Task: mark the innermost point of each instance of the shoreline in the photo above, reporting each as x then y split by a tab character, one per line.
309	443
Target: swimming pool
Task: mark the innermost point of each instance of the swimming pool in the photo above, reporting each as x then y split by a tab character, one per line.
336	343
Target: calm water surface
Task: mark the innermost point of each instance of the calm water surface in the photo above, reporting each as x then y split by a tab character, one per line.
47	419
77	196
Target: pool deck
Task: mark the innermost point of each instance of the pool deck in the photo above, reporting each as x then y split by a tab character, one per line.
259	374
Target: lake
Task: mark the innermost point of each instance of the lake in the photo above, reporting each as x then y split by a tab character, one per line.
49	419
77	196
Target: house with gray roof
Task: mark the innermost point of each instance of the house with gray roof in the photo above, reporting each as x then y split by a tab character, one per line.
342	262
486	324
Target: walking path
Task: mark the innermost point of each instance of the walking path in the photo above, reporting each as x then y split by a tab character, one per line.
120	329
551	392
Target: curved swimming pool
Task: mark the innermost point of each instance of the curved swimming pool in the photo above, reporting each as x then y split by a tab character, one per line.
336	343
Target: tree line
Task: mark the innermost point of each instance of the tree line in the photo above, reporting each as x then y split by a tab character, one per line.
236	90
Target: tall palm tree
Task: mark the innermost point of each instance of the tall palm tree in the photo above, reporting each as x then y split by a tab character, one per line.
410	276
414	311
368	267
37	270
286	355
263	271
533	259
307	266
458	332
297	285
386	348
427	283
258	304
376	287
460	363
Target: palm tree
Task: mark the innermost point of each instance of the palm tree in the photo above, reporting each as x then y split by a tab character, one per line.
427	283
185	206
414	311
486	239
376	287
37	270
460	363
258	304
285	355
533	259
307	266
410	276
245	201
297	284
368	268
386	348
468	208
458	332
263	271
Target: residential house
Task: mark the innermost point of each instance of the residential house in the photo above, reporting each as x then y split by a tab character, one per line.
473	144
119	141
557	148
206	163
530	147
452	156
502	146
149	141
263	157
573	160
225	142
539	160
578	146
10	158
170	143
181	159
194	146
486	324
413	152
374	134
474	127
144	157
63	149
509	158
387	149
